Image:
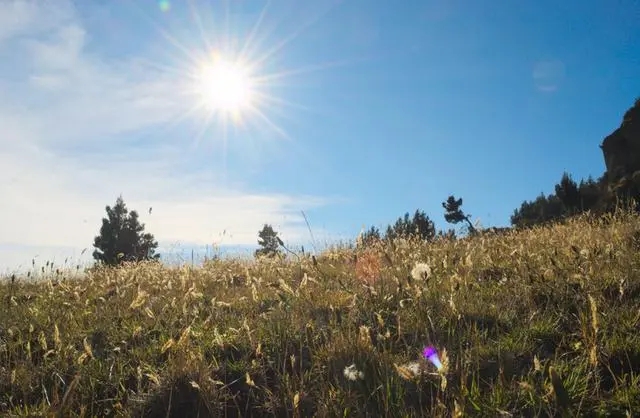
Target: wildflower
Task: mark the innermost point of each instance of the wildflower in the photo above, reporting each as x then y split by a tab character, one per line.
421	271
352	373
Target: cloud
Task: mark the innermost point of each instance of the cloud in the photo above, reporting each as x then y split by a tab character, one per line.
31	17
71	95
72	122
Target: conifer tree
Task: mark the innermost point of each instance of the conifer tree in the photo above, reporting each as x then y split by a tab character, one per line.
371	236
419	225
269	242
122	237
454	214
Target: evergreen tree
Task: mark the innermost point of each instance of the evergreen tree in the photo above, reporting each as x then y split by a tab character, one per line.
370	236
269	242
539	211
454	214
122	237
420	225
569	199
449	234
619	185
569	194
593	194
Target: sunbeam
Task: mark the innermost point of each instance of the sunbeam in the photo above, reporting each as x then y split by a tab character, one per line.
224	83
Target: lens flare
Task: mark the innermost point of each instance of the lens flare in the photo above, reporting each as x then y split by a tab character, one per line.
431	354
164	5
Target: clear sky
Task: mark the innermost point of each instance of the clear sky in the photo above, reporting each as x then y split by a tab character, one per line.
226	114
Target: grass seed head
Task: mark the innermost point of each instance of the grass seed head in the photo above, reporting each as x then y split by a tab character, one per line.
352	373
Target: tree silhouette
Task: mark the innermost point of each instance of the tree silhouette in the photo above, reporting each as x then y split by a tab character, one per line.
449	234
420	225
454	214
269	242
594	194
122	237
569	194
569	199
370	236
542	210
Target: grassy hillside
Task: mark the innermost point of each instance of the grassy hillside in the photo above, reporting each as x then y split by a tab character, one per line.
529	323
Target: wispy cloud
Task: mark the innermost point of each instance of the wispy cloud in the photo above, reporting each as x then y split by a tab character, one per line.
32	17
70	119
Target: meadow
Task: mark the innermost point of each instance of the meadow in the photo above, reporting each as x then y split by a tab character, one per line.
539	322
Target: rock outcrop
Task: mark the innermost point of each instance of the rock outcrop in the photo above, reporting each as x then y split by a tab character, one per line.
621	149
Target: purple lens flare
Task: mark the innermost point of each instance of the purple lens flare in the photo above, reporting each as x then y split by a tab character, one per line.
431	354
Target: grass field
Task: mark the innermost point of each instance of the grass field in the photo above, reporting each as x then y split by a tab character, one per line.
542	322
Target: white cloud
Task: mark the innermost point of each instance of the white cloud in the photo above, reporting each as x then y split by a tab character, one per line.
33	17
73	96
66	96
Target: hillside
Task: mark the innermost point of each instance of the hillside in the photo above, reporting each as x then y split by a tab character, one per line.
527	323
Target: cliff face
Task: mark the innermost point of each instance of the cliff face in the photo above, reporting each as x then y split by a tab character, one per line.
621	149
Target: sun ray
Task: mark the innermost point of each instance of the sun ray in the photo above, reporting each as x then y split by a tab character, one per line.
254	30
306	70
196	16
221	82
166	35
281	101
163	68
275	49
272	125
226	25
173	41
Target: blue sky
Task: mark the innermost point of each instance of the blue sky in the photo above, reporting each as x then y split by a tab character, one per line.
363	110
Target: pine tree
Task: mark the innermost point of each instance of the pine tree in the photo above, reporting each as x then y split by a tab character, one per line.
542	210
371	236
454	214
569	194
269	242
122	237
420	225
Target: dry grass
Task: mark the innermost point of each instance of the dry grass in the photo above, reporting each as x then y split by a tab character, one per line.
533	323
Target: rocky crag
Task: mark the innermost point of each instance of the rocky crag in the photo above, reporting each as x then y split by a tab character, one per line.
621	150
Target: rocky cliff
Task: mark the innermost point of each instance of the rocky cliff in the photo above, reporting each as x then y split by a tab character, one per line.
621	149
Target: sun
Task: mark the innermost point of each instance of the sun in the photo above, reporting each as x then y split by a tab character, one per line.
225	86
230	81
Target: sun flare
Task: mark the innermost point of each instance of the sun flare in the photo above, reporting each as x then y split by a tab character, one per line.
225	86
231	80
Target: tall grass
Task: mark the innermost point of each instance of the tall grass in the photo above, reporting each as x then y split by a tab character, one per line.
542	322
